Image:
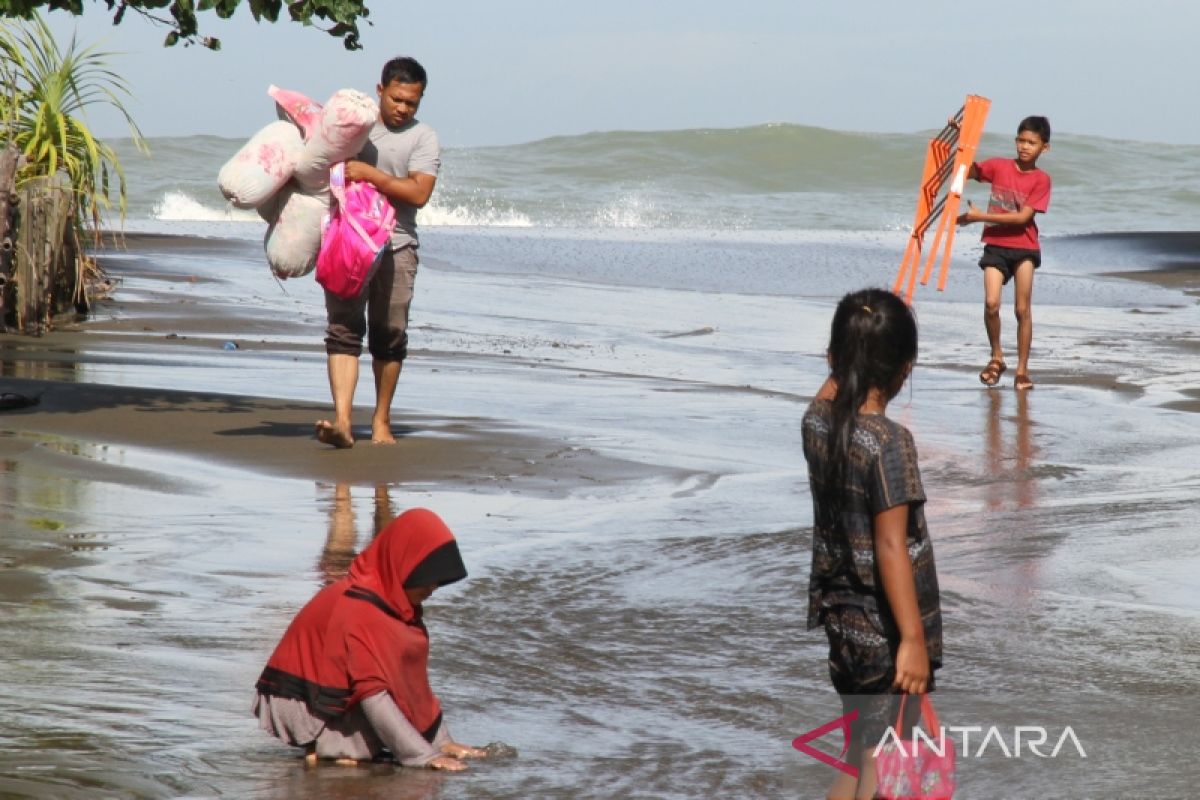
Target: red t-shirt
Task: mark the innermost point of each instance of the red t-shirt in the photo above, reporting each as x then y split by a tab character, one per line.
1013	189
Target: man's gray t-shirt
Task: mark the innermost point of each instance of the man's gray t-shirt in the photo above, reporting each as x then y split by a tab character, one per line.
413	147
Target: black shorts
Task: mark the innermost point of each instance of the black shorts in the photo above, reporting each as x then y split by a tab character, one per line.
1007	259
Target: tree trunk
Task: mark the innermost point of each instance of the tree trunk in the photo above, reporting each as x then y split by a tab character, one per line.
8	173
45	256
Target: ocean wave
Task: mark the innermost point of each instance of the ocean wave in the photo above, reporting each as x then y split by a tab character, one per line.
436	215
180	207
765	177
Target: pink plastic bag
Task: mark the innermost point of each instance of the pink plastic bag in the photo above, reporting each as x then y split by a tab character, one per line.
913	769
354	236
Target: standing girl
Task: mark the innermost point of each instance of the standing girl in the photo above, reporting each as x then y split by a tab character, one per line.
873	584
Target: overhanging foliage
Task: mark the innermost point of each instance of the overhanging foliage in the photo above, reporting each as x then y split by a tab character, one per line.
338	18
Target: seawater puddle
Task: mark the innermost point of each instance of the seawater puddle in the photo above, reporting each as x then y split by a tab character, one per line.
142	641
293	375
169	625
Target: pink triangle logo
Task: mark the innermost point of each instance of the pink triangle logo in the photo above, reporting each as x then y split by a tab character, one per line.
801	743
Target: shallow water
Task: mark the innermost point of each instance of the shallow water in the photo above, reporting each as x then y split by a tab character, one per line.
633	639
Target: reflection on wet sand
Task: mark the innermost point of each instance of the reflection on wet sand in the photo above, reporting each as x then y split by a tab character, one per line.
18	360
364	782
1009	460
341	544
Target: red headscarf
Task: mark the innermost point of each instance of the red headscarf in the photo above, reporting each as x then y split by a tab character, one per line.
360	635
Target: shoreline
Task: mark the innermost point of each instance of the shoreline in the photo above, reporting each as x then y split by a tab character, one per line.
168	310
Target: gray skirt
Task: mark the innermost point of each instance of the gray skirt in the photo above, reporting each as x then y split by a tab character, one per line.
350	736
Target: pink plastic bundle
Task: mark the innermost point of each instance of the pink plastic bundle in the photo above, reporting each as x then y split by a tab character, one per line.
342	129
355	235
300	109
284	173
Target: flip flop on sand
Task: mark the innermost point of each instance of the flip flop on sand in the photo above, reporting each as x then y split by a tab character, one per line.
1022	383
992	372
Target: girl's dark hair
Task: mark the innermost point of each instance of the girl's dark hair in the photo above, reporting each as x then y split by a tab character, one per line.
872	344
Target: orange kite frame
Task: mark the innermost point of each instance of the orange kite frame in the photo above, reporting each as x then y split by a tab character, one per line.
951	152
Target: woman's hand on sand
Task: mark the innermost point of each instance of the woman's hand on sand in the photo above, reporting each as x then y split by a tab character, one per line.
912	667
447	763
456	750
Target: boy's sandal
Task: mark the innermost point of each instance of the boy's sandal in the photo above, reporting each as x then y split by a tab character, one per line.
1022	383
992	372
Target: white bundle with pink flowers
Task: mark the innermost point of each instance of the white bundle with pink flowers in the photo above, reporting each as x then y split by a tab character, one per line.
283	171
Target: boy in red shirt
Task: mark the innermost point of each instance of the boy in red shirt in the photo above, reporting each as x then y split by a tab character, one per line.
1010	236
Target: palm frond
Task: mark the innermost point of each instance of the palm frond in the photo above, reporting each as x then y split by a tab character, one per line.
47	91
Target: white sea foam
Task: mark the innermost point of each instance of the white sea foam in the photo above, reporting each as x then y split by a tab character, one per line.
630	211
435	215
180	207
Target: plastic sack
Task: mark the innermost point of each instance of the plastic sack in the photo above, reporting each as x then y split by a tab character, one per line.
269	209
919	769
345	124
300	109
356	233
294	239
262	166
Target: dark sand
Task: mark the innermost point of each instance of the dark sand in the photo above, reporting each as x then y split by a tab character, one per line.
275	437
175	315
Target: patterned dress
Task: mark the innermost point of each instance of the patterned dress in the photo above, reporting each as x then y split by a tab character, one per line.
845	593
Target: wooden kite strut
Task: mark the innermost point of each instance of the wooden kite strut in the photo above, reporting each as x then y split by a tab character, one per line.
951	152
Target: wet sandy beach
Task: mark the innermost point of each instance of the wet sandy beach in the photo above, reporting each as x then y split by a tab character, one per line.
622	468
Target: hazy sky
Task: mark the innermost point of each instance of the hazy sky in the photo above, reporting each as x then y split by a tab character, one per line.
511	71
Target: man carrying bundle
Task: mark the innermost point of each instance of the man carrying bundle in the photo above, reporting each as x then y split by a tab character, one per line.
401	160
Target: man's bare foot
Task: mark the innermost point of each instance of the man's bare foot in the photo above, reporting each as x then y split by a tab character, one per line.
331	434
381	433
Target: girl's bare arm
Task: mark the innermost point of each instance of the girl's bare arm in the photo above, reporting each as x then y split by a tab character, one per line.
900	587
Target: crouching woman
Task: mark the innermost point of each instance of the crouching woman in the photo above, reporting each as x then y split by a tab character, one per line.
349	680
